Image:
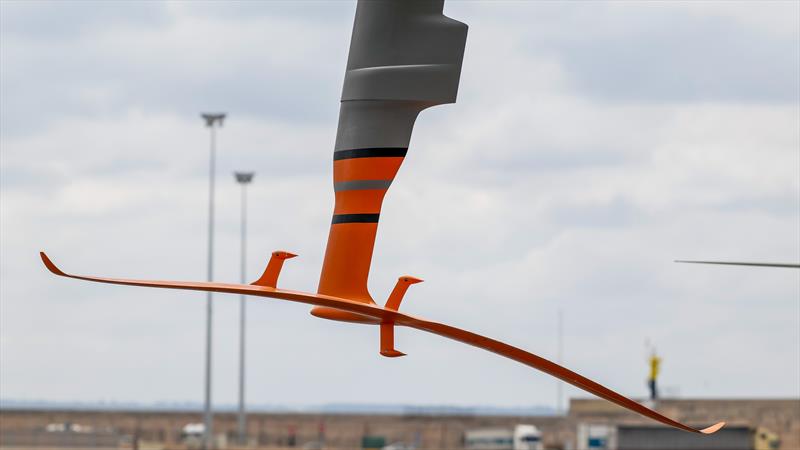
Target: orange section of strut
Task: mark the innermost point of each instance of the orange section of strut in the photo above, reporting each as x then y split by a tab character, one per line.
345	269
347	261
375	168
382	315
359	201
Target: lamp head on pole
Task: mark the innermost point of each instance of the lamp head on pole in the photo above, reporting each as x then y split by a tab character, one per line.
212	118
244	177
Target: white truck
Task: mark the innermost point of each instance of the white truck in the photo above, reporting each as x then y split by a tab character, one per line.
192	437
520	437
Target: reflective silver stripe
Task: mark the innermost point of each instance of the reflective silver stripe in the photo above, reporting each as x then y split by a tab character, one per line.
360	185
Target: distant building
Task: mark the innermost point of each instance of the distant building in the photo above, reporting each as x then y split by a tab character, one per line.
762	423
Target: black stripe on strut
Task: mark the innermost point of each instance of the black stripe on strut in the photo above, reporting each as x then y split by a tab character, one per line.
355	218
370	153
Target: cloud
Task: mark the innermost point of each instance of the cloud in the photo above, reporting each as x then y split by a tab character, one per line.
188	63
48	21
652	52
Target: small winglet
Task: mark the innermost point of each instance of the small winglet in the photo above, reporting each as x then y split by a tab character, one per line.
51	266
399	291
270	276
713	428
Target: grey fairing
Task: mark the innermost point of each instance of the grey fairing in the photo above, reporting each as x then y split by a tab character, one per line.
405	56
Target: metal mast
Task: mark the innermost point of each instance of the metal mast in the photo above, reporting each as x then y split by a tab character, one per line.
208	418
243	178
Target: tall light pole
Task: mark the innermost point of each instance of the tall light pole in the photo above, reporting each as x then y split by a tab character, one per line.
243	178
208	418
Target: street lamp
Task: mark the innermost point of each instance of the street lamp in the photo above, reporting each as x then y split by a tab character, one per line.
243	178
211	120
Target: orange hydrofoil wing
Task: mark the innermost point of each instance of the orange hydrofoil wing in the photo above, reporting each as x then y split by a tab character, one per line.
389	317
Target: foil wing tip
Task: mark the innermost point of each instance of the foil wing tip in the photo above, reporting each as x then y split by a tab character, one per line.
51	266
713	428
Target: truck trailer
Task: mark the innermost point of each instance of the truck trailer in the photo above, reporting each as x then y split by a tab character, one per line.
646	437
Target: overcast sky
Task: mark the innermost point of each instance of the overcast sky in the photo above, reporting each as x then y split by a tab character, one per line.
591	145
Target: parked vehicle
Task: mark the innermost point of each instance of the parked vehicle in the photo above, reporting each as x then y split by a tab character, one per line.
400	446
192	435
520	437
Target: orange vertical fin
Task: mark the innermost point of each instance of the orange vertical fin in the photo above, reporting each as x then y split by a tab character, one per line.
387	341
270	276
393	303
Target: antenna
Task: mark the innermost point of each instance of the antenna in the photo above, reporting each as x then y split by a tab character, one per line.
754	264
